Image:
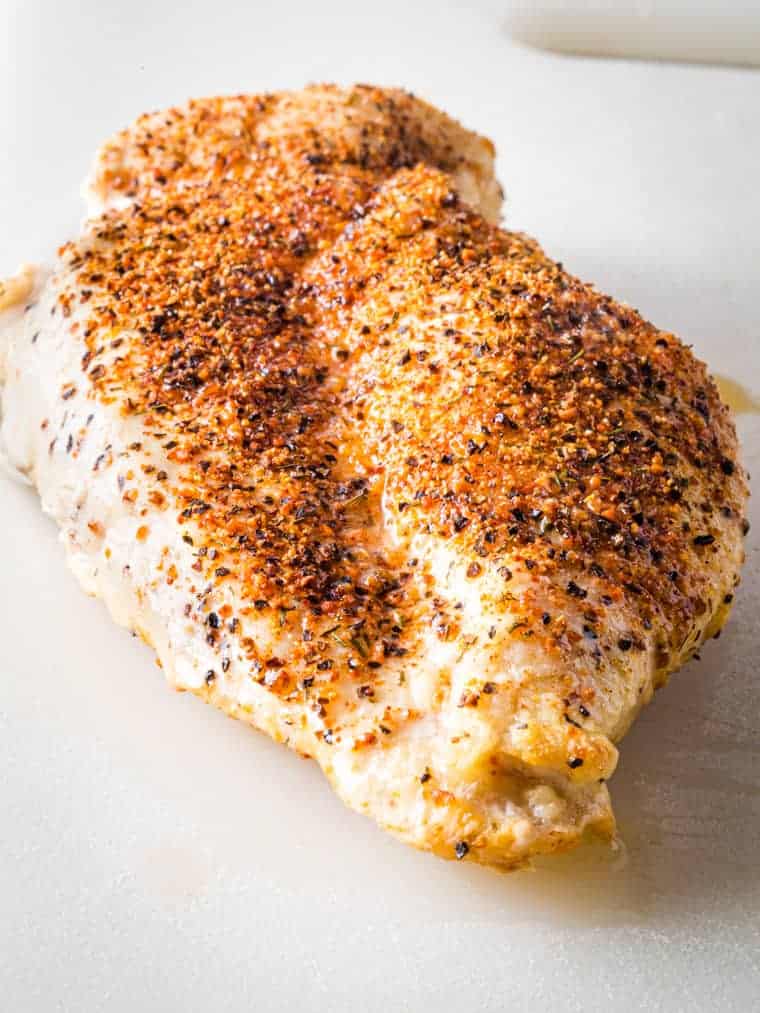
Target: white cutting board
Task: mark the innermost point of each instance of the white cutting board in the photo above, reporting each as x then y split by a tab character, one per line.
156	856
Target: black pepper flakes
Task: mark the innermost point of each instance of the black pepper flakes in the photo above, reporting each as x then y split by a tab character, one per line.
704	539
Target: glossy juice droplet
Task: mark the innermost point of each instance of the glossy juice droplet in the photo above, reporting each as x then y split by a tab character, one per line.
736	397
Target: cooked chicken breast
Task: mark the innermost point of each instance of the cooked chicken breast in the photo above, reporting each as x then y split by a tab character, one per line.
368	472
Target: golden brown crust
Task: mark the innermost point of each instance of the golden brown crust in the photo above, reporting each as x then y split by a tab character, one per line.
361	131
322	332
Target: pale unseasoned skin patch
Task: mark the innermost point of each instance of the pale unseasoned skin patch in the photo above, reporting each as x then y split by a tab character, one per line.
16	290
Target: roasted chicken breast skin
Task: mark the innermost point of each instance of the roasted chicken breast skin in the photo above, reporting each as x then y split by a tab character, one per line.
370	473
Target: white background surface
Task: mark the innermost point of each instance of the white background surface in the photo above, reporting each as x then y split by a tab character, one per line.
154	855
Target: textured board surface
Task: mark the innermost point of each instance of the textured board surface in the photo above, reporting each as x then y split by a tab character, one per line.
155	855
